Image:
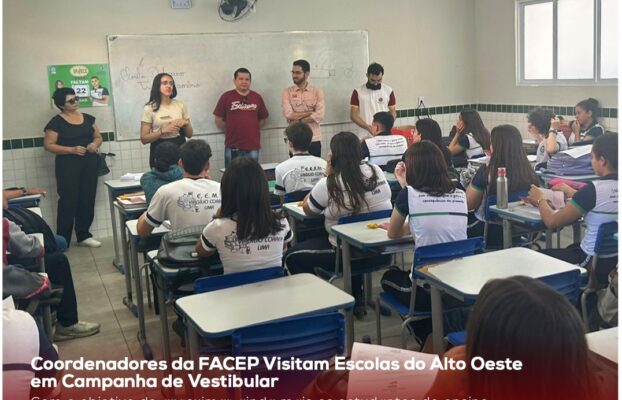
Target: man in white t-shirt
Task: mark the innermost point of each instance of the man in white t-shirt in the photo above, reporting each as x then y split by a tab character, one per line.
370	98
303	170
193	200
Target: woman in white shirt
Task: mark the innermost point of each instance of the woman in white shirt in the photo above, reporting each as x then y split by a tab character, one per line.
164	118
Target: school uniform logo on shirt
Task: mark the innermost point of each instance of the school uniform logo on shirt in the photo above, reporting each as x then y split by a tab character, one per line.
235	245
191	202
238	105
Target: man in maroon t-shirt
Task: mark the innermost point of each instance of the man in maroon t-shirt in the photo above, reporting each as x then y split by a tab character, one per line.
240	113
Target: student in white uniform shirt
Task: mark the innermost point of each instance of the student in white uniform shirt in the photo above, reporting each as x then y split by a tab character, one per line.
351	186
596	202
193	200
472	138
383	146
543	126
585	128
303	170
246	232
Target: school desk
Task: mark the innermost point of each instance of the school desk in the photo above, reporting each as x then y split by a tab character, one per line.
604	343
31	200
116	188
219	313
463	278
358	234
295	215
547	177
139	308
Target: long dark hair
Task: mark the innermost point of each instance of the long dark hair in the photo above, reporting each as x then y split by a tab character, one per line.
430	130
426	169
246	199
155	97
474	125
606	146
346	165
523	319
508	152
590	104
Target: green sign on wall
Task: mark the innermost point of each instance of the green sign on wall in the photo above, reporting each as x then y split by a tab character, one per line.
91	82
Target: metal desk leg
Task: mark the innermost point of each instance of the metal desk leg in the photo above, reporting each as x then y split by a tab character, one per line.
507	233
115	235
142	334
294	229
347	286
127	300
549	239
166	344
576	232
437	320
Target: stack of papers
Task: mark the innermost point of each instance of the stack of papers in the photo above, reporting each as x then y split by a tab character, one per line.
130	176
132	200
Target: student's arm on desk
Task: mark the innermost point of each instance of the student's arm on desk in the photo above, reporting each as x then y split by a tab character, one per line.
306	208
201	250
397	226
551	218
143	228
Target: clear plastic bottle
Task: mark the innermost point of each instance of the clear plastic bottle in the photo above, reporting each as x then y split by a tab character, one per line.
502	189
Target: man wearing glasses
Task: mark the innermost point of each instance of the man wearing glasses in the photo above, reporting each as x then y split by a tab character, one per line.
303	102
241	113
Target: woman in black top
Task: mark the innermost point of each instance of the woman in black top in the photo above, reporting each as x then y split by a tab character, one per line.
75	139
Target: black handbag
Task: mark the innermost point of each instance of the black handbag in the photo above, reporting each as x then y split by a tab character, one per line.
102	166
177	249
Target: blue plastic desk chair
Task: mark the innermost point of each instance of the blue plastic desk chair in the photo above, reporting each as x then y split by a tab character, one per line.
423	256
606	246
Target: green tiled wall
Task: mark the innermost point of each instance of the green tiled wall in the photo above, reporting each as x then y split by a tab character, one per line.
9	144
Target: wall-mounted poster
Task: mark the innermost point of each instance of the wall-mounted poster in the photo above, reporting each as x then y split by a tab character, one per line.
91	82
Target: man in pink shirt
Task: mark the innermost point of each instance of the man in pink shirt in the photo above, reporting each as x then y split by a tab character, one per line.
240	113
305	103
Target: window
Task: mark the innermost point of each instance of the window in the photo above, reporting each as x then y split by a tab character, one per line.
567	41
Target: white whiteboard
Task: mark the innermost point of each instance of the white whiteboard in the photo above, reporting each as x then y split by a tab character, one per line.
203	65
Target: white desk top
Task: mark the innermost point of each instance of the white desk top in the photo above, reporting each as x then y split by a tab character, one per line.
36	210
358	234
131	227
221	312
604	343
118	184
519	212
467	275
297	213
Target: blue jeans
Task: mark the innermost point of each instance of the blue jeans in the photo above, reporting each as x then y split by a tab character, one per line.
254	154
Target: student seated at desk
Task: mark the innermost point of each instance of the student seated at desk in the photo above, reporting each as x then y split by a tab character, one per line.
585	128
542	125
522	319
192	200
471	138
165	169
507	151
246	232
428	129
436	211
596	202
383	146
303	170
351	186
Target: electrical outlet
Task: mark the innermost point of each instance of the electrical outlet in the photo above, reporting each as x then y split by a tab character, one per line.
181	4
420	101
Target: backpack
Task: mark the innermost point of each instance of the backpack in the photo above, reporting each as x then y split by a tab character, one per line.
177	249
32	223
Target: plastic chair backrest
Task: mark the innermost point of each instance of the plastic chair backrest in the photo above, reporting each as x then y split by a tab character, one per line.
447	251
364	216
310	337
606	244
566	283
211	283
491	200
298	195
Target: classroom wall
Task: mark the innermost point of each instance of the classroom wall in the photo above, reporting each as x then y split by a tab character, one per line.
495	67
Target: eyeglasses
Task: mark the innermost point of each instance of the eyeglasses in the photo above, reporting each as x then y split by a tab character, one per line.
73	100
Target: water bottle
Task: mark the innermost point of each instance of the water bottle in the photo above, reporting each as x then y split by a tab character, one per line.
502	189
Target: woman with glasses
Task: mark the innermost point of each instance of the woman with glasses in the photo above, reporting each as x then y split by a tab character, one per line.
75	139
164	117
